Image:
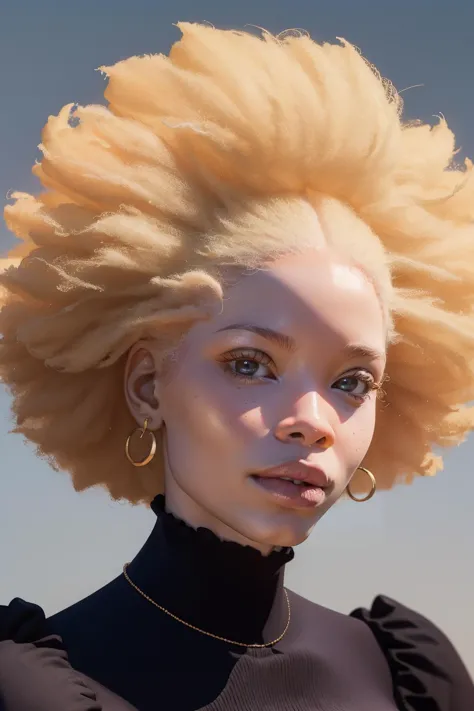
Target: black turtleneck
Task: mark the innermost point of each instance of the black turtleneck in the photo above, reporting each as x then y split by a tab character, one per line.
130	655
222	587
120	639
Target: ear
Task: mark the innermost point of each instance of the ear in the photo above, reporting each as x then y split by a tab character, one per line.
141	386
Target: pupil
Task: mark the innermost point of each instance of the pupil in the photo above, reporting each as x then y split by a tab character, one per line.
246	367
348	383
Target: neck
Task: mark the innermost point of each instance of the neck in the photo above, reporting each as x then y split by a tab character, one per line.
222	587
183	507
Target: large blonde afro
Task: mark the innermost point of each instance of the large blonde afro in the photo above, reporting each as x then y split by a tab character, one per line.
187	169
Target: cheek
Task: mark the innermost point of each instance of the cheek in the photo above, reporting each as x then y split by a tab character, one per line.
357	434
202	410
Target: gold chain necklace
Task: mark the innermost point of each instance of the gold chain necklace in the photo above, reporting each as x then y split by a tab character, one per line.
209	634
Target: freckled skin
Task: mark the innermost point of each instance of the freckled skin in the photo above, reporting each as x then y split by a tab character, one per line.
219	428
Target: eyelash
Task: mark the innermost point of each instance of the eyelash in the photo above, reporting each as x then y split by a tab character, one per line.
365	377
262	358
251	354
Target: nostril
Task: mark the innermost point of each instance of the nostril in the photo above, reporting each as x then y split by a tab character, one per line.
324	442
296	435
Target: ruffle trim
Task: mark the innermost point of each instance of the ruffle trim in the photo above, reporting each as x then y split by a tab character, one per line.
34	662
203	539
414	650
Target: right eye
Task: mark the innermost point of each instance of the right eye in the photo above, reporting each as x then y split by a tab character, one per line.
248	364
249	368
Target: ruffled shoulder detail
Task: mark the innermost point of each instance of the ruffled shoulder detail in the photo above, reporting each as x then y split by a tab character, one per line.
34	669
427	673
21	621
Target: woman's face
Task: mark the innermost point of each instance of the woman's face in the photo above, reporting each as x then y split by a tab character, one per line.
280	385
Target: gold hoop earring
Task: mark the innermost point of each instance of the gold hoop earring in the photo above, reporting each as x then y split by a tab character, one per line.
152	452
373	484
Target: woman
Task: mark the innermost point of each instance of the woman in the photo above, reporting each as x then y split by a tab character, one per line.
246	281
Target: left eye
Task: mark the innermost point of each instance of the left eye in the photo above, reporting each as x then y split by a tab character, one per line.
355	384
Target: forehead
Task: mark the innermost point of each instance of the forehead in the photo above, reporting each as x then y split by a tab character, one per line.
314	294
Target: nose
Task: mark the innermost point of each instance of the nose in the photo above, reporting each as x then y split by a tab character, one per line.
307	425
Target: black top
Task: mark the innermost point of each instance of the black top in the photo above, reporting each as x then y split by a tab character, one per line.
115	651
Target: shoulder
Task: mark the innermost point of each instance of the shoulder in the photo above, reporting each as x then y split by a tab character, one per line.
91	623
26	650
34	666
426	668
21	621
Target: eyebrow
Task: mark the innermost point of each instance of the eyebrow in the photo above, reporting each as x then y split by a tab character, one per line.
365	352
289	344
280	339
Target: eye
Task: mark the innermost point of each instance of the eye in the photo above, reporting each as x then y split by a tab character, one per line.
359	384
248	364
247	367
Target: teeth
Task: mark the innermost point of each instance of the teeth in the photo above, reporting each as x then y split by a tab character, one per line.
293	481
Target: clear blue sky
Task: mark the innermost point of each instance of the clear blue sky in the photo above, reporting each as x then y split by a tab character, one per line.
415	543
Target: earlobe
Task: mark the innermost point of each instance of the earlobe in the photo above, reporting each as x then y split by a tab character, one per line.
140	385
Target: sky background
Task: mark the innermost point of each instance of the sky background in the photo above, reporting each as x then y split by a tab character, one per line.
414	543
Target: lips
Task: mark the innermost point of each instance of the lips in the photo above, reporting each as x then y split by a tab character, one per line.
295	484
298	471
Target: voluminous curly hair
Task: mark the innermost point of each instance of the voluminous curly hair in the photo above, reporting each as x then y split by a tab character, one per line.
216	155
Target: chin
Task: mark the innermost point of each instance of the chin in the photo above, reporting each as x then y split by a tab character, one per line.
288	533
291	538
